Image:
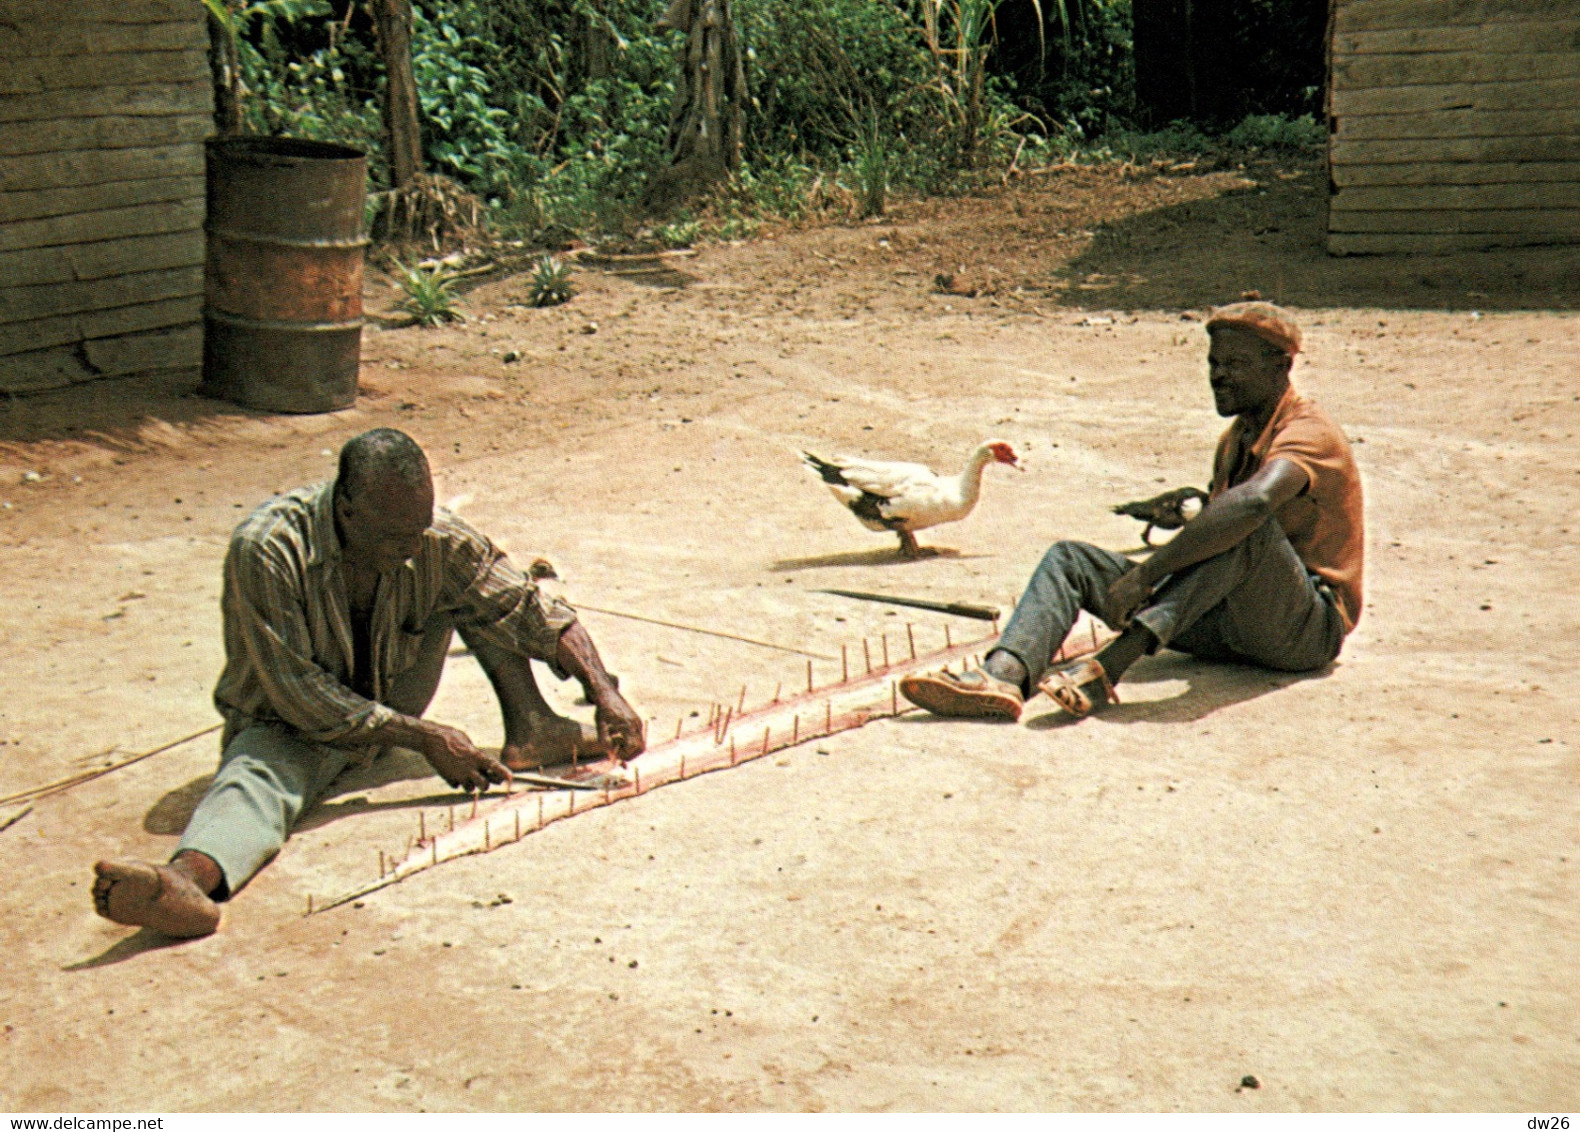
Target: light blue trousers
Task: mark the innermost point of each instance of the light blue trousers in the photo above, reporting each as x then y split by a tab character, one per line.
269	775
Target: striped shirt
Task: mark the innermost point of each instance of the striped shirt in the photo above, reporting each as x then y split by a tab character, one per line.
288	638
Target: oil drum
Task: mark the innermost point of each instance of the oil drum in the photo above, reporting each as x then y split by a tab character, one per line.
282	312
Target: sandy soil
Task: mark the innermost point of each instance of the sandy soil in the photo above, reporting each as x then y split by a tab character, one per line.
1360	887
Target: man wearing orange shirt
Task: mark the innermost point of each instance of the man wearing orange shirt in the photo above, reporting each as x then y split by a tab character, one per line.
1269	573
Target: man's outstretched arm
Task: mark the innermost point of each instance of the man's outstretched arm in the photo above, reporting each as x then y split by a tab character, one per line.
1223	523
449	750
619	727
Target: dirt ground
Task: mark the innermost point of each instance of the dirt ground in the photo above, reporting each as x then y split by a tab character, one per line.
1358	886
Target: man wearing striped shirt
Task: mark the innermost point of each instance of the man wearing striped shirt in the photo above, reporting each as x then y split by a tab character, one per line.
339	605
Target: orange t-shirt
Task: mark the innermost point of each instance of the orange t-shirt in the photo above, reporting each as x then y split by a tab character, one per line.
1325	523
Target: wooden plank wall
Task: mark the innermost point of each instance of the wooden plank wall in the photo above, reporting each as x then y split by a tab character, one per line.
1455	125
104	106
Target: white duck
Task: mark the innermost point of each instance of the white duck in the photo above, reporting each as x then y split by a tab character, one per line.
906	498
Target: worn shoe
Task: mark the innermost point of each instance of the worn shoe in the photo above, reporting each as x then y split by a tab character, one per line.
1068	688
970	695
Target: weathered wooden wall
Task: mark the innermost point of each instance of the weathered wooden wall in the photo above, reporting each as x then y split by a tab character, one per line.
104	105
1456	125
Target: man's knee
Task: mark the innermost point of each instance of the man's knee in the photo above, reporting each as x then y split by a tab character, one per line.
1269	538
260	788
412	689
272	766
1064	554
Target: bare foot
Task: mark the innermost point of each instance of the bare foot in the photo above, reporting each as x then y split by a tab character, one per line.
554	740
153	896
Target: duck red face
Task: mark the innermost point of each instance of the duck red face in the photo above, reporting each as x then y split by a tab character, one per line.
1004	454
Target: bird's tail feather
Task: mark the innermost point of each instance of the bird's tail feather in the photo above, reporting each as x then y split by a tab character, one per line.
828	472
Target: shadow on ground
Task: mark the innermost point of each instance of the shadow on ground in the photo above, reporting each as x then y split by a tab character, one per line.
1209	687
141	941
1269	235
122	416
645	270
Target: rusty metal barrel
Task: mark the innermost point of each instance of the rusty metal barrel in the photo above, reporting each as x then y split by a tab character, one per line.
282	313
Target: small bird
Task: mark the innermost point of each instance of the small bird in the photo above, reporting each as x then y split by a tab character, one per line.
906	498
1169	511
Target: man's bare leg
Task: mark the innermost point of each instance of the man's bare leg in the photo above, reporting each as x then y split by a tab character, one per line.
171	899
535	734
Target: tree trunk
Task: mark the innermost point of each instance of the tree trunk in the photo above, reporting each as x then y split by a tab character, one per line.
1213	61
1224	50
597	50
1165	60
400	95
709	115
225	67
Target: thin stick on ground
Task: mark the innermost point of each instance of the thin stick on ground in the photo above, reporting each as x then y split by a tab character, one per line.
34	793
14	818
699	629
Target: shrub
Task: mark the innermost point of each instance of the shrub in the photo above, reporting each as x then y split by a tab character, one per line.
1276	132
304	75
771	186
679	233
1085	86
551	283
817	68
557	111
870	167
464	131
1177	139
428	294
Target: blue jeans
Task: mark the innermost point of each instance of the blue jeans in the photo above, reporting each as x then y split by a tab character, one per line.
1255	603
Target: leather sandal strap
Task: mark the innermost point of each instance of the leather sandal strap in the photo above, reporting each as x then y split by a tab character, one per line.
1067	688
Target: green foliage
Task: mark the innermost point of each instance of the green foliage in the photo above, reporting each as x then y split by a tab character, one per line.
1275	132
305	77
1180	141
427	294
221	14
870	166
737	228
587	86
817	68
557	111
772	186
464	131
679	233
1085	85
1177	139
551	283
959	37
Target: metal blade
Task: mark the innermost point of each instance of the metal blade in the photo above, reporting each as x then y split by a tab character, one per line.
551	783
957	608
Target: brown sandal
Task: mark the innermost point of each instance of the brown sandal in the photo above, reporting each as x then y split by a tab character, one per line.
1067	688
970	695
